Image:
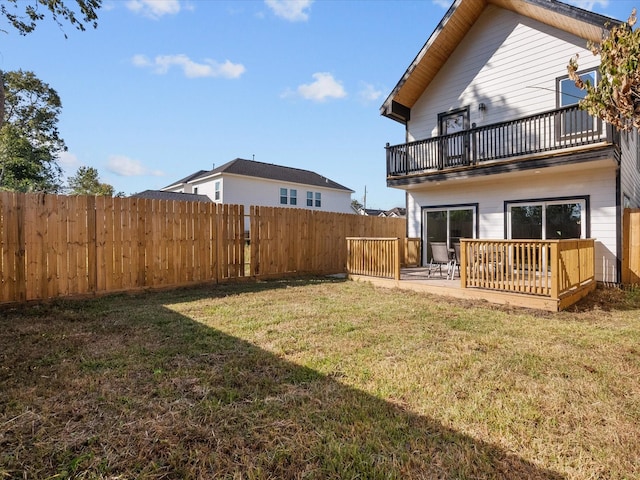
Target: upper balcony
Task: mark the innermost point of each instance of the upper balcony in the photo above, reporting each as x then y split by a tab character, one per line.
555	133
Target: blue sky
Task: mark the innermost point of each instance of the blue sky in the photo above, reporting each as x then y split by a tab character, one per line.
163	88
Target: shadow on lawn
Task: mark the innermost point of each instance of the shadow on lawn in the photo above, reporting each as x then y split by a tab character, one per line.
86	391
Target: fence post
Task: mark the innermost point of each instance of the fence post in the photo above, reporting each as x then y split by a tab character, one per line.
463	263
92	266
397	257
555	269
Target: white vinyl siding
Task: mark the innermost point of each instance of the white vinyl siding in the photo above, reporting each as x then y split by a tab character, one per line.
630	174
509	63
595	180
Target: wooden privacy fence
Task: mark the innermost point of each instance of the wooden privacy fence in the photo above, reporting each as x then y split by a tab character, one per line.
552	268
631	246
54	245
301	241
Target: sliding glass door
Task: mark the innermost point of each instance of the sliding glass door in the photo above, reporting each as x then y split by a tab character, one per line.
547	220
448	225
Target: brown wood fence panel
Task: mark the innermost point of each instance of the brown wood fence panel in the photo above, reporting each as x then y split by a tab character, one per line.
55	245
296	240
631	246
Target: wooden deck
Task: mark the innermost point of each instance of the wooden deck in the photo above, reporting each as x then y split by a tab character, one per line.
416	279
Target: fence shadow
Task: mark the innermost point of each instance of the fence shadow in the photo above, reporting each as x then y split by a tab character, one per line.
160	395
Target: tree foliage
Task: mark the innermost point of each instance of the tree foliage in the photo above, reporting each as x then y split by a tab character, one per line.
29	138
24	15
86	181
616	96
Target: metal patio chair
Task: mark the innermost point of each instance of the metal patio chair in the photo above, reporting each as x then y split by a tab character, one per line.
439	257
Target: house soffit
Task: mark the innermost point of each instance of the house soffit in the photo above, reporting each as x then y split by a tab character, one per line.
458	21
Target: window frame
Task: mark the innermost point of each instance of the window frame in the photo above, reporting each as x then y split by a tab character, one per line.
585	213
446	208
563	121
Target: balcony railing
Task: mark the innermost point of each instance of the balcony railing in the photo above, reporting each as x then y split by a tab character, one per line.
550	131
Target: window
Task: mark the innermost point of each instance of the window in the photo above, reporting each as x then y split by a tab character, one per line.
574	122
216	191
309	199
283	196
293	197
195	190
318	199
447	224
547	220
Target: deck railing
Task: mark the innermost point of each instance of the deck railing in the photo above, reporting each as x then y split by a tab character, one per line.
554	130
381	257
551	268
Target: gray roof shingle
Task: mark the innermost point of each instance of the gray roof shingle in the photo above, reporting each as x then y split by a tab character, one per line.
181	197
251	168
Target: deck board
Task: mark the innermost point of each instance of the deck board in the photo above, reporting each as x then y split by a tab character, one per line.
417	279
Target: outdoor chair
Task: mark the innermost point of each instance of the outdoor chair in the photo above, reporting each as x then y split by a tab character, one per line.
440	257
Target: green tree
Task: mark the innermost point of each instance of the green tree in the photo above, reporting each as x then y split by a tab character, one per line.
29	139
616	96
86	181
24	15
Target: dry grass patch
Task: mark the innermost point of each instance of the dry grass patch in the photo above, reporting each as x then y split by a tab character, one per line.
319	379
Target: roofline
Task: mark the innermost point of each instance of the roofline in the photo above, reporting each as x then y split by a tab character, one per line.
399	112
344	189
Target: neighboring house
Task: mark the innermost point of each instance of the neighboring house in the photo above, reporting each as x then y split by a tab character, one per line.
160	195
496	146
247	182
396	212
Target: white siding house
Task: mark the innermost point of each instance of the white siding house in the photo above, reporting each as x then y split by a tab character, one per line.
495	146
247	182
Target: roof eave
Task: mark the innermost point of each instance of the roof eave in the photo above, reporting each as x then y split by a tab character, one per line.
455	25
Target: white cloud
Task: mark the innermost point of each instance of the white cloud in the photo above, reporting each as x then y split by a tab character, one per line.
128	167
324	86
443	3
154	8
292	10
68	161
209	68
368	93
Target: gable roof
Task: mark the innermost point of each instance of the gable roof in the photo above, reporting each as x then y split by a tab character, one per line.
456	24
251	168
181	197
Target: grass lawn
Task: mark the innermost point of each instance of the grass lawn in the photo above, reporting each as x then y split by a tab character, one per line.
317	379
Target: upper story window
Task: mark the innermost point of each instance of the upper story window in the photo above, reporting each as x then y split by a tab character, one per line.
314	199
289	197
195	190
578	121
216	191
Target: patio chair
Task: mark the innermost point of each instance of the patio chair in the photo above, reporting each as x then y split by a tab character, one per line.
440	257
